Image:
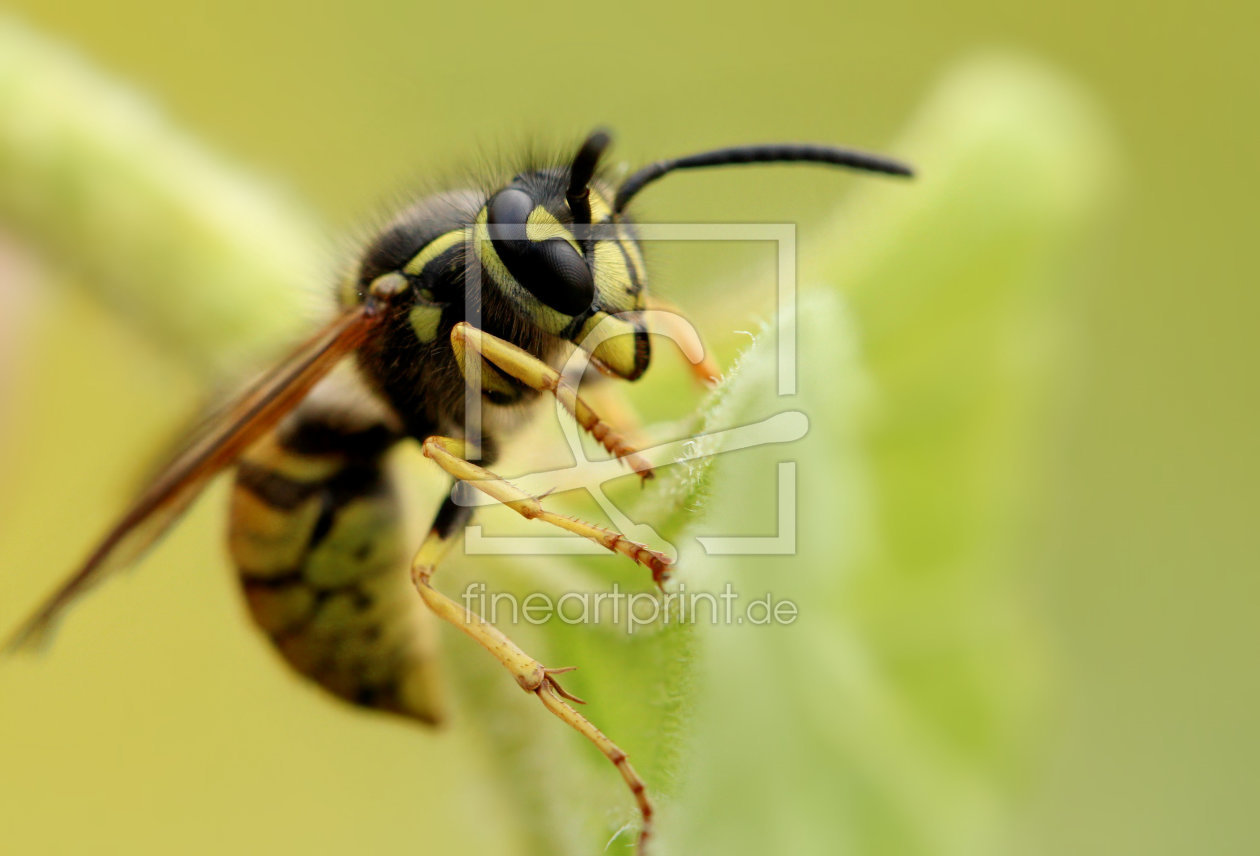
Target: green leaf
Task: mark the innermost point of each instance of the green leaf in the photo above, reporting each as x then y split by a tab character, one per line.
894	715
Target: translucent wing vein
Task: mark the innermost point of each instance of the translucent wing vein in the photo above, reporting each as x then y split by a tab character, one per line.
255	411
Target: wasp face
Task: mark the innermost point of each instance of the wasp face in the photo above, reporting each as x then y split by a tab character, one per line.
566	263
536	247
556	266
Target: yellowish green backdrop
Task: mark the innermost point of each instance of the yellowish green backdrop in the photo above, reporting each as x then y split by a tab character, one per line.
1078	451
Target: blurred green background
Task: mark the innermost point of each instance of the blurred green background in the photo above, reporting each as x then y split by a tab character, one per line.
157	725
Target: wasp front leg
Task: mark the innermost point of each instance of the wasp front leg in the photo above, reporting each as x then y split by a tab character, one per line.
534	373
529	673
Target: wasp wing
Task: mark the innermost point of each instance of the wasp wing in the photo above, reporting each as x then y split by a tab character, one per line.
242	421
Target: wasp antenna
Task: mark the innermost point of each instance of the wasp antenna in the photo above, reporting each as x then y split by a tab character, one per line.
581	173
767	153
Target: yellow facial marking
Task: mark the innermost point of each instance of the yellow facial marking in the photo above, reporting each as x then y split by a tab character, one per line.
618	351
635	254
490	261
600	209
540	314
612	278
541	225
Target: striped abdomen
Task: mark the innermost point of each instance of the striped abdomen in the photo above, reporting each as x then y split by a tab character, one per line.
315	534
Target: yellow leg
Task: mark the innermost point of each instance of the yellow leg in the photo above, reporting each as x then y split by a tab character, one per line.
610	398
530	674
449	455
536	374
550	695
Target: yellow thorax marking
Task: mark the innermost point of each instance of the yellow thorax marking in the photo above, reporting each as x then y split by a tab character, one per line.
424	320
432	250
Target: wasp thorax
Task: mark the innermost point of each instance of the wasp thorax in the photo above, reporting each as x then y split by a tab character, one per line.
539	252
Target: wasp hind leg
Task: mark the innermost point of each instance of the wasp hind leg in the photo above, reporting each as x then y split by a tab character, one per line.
529	673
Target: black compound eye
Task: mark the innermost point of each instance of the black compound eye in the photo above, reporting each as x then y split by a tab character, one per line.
507	208
552	270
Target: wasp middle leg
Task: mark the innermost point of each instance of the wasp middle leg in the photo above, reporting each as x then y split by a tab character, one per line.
449	454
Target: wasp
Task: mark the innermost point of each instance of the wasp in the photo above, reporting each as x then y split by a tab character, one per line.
468	295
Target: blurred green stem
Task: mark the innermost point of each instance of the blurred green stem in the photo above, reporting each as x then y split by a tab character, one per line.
197	254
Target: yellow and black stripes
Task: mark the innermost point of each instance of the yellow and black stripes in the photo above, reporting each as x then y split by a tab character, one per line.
315	533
